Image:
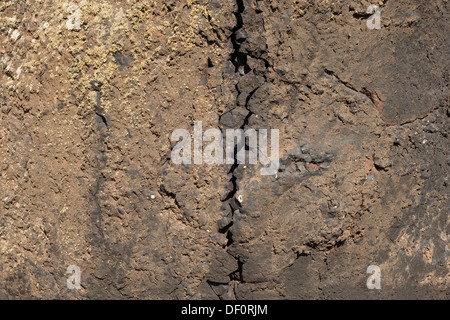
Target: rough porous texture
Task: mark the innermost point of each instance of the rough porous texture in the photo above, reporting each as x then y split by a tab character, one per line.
86	176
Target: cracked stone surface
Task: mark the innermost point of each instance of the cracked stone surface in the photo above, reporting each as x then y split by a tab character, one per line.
86	176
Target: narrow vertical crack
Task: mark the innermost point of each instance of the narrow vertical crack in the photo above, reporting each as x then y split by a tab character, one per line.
240	59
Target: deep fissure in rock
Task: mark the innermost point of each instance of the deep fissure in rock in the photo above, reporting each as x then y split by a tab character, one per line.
239	58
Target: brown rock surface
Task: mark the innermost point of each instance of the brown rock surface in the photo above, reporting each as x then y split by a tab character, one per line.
86	177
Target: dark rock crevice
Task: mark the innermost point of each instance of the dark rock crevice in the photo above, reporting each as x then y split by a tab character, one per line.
239	58
245	89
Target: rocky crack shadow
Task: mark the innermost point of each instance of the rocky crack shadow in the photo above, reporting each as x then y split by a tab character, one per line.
252	69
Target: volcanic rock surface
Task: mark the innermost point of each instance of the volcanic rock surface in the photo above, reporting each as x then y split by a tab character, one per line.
91	91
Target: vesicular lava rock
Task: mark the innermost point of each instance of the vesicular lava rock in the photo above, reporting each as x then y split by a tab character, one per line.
86	176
